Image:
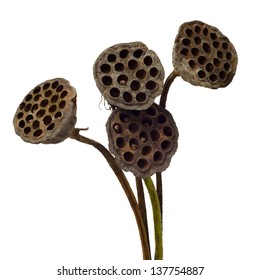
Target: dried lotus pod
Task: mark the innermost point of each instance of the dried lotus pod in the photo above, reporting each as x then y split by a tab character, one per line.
47	114
203	56
142	141
129	76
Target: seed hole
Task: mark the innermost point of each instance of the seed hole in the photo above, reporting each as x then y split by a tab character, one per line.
135	85
192	63
158	157
197	29
21	124
184	51
27	130
155	135
216	62
209	67
28	97
55	84
195	51
105	68
213	78
225	45
117	128
146	150
227	66
213	36
48	93
111	57
62	104
133	143
229	55
154	71
186	42
202	60
197	40
107	80
37	97
47	120
151	85
222	75
140	97
36	124
29	118
22	105
119	67
120	142
132	64
40	113
46	86
216	44
167	130
206	47
220	54
19	115
133	127
189	32
166	145
151	111
64	94
140	74
128	156
127	97
27	107
142	163
51	126
135	113
37	133
34	108
58	115
52	109
44	103
114	92
60	88
124	118
143	136
205	31
161	119
124	53
201	74
138	53
148	60
37	90
147	122
122	80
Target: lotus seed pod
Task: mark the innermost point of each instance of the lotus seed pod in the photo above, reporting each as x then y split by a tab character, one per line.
129	76
142	141
47	114
203	56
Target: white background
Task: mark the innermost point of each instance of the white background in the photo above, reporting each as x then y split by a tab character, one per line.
62	205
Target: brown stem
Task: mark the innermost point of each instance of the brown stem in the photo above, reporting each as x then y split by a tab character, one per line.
125	185
159	189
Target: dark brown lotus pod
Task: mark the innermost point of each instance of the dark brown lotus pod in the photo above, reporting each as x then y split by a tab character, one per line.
143	141
203	56
129	76
47	114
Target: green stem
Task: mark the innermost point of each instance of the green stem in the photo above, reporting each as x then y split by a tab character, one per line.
156	218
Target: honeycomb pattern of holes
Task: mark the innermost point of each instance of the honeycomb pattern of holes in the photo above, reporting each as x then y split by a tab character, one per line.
46	86
140	74
124	53
124	118
40	113
35	124
135	85
133	144
151	85
209	67
55	98
186	42
205	31
107	81
135	113
229	55
197	40
143	136
21	124
140	97
127	96
47	120
195	51
158	157
155	135
54	84
114	92
62	104
48	93
19	115
128	156
132	64
22	105
206	47
216	44
122	80
37	97
189	32
111	57
167	131
51	126
37	90
105	68
133	128
28	107
28	97
146	150
201	74
53	108
58	115
117	128
222	75
63	94
143	164
34	108
225	45
29	118
37	133
154	71
44	103
166	145
227	66
138	53
120	142
202	60
151	111
192	64
27	130
119	67
148	60
184	51
60	88
220	54
213	78
147	122
216	62
197	29
161	119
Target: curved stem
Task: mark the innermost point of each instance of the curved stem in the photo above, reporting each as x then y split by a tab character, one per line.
125	185
156	218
